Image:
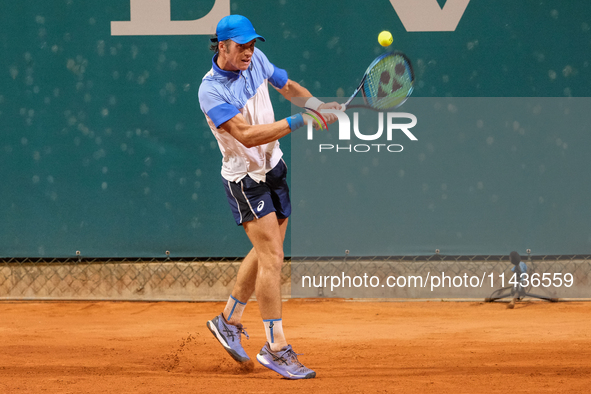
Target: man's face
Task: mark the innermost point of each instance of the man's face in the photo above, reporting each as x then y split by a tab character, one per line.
237	56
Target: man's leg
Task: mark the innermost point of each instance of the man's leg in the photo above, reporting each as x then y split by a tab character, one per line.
267	237
229	321
246	278
243	289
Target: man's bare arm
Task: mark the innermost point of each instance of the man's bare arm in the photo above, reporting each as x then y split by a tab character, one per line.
255	135
249	135
299	95
296	93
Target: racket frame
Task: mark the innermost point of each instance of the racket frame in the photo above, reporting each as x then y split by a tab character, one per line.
376	61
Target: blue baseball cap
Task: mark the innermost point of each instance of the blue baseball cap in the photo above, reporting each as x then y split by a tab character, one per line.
237	28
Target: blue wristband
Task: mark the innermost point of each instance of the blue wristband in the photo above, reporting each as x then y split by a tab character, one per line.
295	121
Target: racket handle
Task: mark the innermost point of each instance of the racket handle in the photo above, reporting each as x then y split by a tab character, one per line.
343	107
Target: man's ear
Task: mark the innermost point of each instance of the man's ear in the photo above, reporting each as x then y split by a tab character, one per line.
225	46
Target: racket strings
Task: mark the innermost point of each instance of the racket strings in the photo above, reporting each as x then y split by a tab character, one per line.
388	83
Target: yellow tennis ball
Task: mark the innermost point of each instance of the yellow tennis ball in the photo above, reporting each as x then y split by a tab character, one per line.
385	38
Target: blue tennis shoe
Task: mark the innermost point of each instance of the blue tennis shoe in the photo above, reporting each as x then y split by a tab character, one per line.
285	362
229	336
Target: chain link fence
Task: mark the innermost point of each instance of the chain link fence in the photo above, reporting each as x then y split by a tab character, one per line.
153	279
203	279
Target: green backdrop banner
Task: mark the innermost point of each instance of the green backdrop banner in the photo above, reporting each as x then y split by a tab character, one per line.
104	149
474	176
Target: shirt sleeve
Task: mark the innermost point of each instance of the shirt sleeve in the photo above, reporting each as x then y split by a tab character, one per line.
277	76
214	105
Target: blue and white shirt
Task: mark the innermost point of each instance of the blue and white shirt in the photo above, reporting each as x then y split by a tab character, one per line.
223	95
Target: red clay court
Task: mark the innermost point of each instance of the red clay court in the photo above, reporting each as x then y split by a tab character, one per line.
355	347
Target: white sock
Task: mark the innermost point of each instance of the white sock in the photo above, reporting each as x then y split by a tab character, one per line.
275	336
233	310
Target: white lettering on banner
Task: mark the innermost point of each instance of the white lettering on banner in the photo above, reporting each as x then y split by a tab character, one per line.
427	15
152	18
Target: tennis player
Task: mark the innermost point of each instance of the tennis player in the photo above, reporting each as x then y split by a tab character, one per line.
235	99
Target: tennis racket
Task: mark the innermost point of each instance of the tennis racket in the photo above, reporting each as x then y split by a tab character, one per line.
387	83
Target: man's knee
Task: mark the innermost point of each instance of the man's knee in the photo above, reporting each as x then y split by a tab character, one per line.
272	259
275	256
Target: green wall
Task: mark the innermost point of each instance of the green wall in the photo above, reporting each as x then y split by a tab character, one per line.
103	147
